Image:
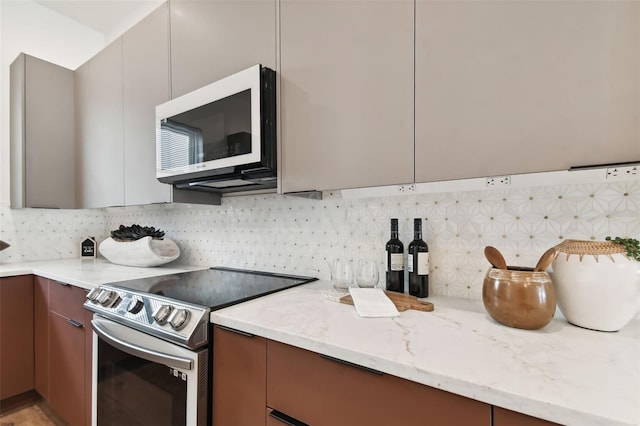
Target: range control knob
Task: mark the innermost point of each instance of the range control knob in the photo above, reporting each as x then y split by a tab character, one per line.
180	319
162	314
107	298
93	294
135	306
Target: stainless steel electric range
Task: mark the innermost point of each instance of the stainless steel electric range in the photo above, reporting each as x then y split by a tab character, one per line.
151	345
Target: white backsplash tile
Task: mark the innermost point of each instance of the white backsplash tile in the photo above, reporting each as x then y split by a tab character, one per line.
295	235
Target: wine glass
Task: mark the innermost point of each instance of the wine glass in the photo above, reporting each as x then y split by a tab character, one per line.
341	275
367	273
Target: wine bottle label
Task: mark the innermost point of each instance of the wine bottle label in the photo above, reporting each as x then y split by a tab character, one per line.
397	262
423	263
410	262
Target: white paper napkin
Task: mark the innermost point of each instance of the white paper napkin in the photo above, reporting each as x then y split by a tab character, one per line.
372	302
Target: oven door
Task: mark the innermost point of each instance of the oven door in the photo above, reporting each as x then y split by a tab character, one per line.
139	379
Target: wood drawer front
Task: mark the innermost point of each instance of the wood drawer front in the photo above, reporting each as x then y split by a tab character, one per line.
67	300
320	391
239	378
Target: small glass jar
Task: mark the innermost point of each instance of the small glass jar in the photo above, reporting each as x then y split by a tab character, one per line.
519	297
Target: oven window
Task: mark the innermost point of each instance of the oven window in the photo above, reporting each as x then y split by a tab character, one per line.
133	391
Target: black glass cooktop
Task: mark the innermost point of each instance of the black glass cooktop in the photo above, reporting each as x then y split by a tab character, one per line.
216	287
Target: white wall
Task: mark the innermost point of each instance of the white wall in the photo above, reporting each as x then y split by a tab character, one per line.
26	26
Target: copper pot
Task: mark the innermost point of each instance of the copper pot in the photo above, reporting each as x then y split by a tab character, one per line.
519	297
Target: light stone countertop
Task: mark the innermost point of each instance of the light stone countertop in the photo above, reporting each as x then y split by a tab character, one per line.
560	373
89	273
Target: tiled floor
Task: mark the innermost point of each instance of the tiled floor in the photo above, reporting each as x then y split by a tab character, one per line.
28	416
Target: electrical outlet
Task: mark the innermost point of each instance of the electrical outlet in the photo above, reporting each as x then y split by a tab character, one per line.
498	181
407	188
625	172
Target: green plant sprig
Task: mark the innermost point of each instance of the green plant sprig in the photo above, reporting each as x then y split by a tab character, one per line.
631	245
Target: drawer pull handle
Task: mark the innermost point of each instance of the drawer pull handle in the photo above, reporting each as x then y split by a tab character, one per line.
287	420
75	323
233	330
62	284
350	364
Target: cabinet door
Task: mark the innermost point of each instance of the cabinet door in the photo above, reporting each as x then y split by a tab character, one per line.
503	417
516	87
239	378
67	352
145	61
42	134
213	39
16	335
67	369
322	391
100	151
346	94
41	319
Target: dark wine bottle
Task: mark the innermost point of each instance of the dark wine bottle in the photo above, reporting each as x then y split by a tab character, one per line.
395	260
418	263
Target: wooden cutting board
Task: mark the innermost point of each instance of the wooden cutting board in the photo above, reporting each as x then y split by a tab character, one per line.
402	301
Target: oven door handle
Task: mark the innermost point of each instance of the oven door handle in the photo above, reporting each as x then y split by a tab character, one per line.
144	353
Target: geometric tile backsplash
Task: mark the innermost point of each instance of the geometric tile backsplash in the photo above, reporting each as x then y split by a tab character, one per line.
294	235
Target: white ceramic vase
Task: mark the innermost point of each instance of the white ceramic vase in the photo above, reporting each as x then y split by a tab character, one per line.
599	291
146	251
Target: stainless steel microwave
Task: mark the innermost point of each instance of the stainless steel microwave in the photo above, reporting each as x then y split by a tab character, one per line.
221	137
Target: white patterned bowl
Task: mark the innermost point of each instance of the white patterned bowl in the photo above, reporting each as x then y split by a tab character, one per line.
599	292
146	251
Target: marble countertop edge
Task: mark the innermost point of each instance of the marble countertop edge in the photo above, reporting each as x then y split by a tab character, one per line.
466	320
89	273
538	408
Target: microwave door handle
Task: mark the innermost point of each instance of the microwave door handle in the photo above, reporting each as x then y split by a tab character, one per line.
140	352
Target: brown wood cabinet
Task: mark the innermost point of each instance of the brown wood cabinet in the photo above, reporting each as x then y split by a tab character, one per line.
41	333
504	417
16	335
63	350
302	387
66	372
320	390
239	379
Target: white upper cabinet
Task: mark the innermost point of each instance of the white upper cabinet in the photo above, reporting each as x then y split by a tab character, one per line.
211	40
42	134
145	53
100	150
506	87
346	97
117	92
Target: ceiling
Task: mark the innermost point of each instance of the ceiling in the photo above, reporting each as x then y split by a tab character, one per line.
109	17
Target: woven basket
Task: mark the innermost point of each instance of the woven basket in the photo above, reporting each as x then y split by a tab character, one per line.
593	248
